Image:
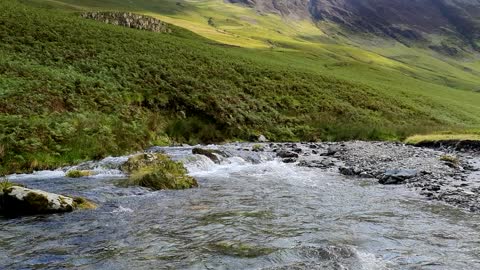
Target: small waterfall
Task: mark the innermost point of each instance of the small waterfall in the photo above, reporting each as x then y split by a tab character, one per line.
196	163
107	167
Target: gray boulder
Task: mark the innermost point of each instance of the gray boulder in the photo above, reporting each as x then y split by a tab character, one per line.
20	201
262	138
287	154
397	176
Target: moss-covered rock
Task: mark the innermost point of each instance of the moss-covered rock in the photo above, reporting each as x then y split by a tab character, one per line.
77	173
157	171
20	201
140	161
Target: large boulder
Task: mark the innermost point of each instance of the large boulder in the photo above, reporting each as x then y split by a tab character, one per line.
139	161
19	201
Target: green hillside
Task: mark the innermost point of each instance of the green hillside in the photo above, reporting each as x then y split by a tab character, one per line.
73	89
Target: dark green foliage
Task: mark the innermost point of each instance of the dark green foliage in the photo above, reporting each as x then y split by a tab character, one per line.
73	89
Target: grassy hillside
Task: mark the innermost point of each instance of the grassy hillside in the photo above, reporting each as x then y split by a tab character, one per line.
73	89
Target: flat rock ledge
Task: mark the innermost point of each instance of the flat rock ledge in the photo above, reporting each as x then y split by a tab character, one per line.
21	201
131	20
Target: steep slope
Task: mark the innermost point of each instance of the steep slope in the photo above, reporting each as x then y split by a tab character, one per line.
72	89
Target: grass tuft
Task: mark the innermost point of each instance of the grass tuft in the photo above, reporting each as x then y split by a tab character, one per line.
77	173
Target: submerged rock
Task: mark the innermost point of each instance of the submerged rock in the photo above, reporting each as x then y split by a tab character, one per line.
20	201
157	171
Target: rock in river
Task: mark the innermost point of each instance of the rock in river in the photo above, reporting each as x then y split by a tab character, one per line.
397	176
212	154
19	201
287	154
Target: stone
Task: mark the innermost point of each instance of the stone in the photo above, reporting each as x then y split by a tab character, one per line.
332	150
210	153
19	201
262	138
297	150
287	154
397	176
289	160
347	171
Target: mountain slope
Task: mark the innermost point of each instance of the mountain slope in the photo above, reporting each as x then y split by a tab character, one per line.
403	20
72	89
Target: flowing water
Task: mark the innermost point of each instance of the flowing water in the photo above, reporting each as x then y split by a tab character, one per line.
250	212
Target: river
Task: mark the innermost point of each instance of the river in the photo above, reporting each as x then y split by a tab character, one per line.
252	211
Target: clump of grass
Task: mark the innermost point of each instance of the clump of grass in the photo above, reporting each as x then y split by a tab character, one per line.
6	184
158	171
450	160
257	147
78	173
82	203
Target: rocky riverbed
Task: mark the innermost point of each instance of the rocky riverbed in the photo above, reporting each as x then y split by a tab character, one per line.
446	174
